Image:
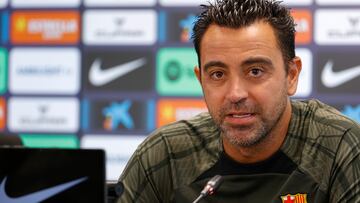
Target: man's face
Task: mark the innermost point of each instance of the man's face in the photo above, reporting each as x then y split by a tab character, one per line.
244	81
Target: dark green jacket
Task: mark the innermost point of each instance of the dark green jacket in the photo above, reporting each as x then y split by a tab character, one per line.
319	162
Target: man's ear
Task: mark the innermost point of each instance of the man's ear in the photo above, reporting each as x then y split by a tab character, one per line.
295	66
197	72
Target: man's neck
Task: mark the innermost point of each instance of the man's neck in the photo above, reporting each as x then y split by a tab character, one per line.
266	147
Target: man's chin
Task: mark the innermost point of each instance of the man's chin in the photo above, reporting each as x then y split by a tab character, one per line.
245	137
237	129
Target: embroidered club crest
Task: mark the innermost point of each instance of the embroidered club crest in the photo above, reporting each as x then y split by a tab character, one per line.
298	198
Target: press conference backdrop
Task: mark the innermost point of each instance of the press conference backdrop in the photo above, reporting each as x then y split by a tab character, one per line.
105	73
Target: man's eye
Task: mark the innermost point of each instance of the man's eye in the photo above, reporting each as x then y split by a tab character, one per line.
256	72
217	75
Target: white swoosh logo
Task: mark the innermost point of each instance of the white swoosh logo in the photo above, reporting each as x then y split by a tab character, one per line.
99	77
39	195
333	79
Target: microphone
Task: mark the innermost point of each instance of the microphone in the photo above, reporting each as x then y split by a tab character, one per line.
119	189
210	187
114	191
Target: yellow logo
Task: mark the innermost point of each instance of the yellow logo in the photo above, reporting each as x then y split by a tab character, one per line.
20	24
298	198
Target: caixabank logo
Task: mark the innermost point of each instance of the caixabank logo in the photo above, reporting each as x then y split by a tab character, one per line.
338	72
176	26
118	71
118	116
175	72
351	110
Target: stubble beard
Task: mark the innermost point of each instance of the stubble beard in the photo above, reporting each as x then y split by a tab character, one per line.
256	132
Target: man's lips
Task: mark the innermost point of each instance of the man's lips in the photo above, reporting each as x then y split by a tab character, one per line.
240	118
240	115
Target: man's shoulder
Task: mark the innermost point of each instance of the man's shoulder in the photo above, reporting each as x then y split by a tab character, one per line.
321	126
318	138
185	147
322	119
201	123
183	134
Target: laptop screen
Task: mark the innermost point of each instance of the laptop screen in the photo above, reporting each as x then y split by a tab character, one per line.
29	175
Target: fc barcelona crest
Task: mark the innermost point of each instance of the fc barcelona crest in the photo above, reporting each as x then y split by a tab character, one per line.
298	198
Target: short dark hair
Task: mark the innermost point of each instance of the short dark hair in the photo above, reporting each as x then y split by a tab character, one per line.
242	13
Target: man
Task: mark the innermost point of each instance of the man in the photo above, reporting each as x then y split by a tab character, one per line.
267	147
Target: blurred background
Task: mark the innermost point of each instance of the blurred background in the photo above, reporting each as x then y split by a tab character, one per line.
106	73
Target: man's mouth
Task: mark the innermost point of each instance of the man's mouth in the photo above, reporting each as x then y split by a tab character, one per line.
240	118
242	115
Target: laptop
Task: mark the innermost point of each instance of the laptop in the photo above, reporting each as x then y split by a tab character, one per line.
31	175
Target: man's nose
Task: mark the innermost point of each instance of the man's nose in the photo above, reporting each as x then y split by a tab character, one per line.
236	91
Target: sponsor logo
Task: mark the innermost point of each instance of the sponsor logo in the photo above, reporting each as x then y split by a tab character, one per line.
43	114
352	112
303	20
338	72
3	70
186	26
183	2
99	77
50	141
306	75
297	2
2	113
333	79
44	4
169	111
3	3
120	27
118	114
298	198
337	27
118	148
112	3
176	26
40	195
118	71
45	27
337	2
175	72
58	68
135	116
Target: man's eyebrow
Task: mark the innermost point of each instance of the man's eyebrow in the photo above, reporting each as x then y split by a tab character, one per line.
214	63
247	62
257	60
